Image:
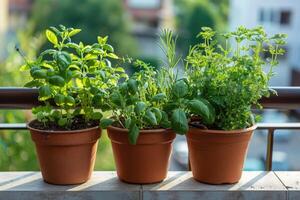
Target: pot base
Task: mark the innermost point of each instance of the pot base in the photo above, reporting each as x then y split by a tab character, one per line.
217	157
146	162
66	157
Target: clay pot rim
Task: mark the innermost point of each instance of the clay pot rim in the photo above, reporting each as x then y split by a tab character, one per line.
60	131
125	130
237	131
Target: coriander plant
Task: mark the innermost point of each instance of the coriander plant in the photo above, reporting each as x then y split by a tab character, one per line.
234	76
72	79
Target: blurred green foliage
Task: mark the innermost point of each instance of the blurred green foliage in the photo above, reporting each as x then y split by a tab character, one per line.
105	17
194	14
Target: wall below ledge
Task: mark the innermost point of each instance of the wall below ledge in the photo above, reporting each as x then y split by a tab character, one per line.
178	185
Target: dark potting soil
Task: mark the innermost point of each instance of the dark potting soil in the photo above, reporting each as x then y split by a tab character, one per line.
78	123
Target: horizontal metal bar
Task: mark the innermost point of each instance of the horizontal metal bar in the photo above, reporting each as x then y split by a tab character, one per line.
26	98
268	126
286	98
15	126
278	126
18	98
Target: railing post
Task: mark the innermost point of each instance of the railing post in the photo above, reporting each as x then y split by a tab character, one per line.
269	156
189	163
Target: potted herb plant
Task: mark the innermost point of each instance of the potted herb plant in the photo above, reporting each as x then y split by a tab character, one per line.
229	80
72	80
140	129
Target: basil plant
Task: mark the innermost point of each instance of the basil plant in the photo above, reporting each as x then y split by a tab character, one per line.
72	79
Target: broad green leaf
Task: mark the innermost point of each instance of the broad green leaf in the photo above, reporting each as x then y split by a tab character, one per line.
133	133
202	108
63	60
51	37
33	69
57	80
56	114
132	86
179	121
158	114
123	88
55	30
139	107
180	89
120	69
59	99
48	51
124	76
132	100
150	117
73	45
68	76
44	93
90	57
74	32
104	123
116	98
62	121
108	47
70	101
74	67
127	123
102	40
46	65
165	120
112	55
97	99
41	73
97	115
159	97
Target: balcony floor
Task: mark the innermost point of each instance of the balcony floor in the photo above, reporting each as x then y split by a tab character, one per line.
178	185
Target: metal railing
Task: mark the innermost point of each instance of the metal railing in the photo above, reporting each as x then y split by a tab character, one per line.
286	98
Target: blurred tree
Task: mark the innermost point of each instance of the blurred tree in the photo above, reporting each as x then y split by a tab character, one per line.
94	17
223	8
194	14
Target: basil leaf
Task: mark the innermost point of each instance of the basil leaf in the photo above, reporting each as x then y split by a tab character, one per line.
179	121
180	89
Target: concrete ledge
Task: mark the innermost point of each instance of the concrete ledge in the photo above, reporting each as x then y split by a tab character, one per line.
178	185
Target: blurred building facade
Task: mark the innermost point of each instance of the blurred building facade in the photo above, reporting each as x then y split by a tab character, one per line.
3	23
3	15
276	16
13	16
18	13
149	17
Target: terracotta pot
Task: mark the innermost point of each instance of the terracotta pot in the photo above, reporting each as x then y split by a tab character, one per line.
217	157
147	161
66	157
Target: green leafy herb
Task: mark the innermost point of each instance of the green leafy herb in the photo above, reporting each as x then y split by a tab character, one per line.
231	77
76	77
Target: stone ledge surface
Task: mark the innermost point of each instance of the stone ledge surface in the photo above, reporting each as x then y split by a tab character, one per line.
178	185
